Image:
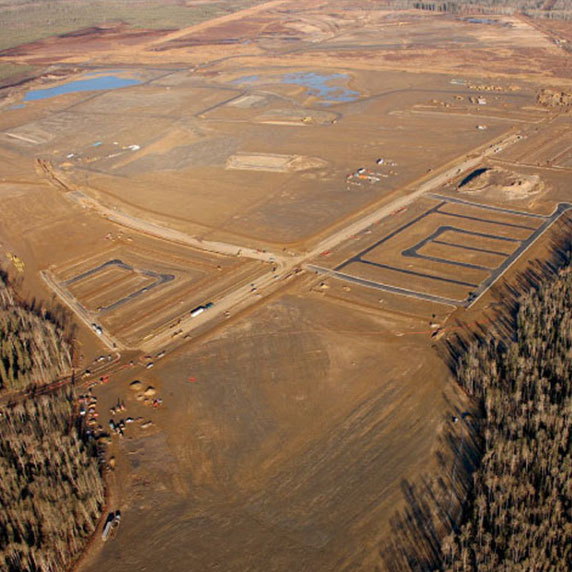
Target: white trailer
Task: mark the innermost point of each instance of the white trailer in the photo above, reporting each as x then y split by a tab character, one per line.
107	530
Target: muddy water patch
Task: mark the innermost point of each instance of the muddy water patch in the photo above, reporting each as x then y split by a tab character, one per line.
323	86
328	87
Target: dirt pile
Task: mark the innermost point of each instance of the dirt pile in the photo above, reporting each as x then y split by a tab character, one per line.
551	98
273	162
501	184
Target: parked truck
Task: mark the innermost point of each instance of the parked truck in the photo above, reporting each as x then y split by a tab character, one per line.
200	309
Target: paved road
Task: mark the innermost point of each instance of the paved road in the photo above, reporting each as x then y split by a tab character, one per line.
413	252
159	279
524	246
384	287
486	207
111	342
480	289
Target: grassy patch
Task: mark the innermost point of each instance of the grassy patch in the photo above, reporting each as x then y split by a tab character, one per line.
8	71
26	21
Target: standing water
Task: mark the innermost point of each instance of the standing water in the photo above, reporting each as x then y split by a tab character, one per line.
327	87
100	83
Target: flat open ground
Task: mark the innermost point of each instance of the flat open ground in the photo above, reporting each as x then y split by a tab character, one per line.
130	291
286	442
343	191
216	173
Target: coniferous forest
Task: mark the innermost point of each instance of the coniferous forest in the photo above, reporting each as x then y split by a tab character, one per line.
33	350
51	490
520	515
553	9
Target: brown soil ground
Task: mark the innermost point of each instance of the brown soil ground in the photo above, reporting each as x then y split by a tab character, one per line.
288	449
291	421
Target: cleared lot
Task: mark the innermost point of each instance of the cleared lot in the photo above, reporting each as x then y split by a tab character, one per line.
288	423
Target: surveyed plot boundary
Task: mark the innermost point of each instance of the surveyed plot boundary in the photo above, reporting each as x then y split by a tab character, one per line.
522	245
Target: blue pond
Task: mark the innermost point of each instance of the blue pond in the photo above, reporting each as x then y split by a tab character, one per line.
321	85
100	83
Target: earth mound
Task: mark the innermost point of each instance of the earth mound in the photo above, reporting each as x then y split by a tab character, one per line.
501	184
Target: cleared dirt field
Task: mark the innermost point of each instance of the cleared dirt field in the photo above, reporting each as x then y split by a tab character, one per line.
372	300
131	291
300	166
548	148
462	254
180	131
279	463
466	240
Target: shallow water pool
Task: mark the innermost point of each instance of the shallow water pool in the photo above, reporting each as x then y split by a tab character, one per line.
328	87
99	83
323	85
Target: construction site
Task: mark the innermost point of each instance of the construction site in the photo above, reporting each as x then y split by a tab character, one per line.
271	218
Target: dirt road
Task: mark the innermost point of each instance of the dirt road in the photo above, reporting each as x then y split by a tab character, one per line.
282	265
247	12
236	300
457	169
245	296
169	234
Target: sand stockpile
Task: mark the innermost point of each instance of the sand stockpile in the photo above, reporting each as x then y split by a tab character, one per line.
273	162
501	184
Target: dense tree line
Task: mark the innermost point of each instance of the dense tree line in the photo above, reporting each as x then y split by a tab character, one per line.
33	350
552	9
51	491
520	516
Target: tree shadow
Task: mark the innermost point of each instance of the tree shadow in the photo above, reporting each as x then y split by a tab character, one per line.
499	317
436	506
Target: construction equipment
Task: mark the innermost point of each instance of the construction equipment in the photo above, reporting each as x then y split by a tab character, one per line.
16	261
